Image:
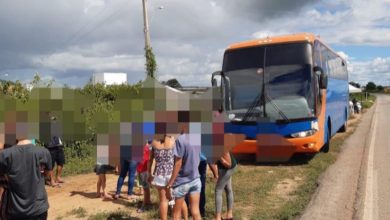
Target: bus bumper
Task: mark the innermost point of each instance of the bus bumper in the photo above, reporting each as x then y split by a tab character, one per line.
276	148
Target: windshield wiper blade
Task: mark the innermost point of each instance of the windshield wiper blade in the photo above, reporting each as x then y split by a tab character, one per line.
281	113
252	108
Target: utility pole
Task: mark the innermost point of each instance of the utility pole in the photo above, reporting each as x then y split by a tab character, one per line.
146	25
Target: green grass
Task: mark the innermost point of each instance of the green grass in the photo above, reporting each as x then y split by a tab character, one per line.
362	98
78	213
117	215
79	159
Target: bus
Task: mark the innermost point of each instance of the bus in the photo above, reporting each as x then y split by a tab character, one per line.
286	94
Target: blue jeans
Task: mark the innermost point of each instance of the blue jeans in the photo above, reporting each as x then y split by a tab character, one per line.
131	167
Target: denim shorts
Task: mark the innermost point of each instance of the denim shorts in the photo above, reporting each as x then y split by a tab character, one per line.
194	186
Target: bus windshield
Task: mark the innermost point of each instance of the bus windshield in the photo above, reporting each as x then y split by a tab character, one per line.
284	70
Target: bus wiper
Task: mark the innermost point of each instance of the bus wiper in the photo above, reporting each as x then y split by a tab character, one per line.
258	101
281	113
252	108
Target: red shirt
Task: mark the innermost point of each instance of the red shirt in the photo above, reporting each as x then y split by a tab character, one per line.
143	165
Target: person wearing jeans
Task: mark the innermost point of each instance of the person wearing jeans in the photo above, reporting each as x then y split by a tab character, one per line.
130	167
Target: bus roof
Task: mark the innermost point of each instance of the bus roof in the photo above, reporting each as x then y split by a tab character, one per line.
308	37
300	37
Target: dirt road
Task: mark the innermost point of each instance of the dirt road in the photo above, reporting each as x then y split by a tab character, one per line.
80	191
338	186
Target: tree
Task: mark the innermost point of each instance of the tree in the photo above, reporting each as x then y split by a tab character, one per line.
151	65
380	88
173	83
357	85
370	86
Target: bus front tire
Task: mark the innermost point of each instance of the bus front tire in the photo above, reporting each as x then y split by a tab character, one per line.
326	146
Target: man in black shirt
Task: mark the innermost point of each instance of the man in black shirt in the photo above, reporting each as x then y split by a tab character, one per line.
23	164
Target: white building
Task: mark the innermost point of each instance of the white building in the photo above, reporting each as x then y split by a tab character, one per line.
109	78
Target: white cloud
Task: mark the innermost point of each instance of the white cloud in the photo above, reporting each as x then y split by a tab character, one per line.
73	37
376	70
68	61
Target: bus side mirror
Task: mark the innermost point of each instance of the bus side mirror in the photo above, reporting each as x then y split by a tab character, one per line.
214	82
323	77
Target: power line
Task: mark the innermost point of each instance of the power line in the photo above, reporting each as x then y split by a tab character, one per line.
87	29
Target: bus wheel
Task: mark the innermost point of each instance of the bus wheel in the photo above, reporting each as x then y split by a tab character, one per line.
326	146
344	127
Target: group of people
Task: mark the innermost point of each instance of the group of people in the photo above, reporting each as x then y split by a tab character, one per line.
178	174
355	106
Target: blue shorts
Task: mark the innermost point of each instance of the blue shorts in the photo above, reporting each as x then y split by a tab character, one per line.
192	187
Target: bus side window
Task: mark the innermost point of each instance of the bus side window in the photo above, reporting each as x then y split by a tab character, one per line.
317	62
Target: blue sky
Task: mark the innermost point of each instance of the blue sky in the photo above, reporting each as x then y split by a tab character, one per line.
69	40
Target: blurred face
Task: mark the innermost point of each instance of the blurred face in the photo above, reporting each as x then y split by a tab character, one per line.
156	143
169	140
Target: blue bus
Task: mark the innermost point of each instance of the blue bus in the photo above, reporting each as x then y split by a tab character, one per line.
286	94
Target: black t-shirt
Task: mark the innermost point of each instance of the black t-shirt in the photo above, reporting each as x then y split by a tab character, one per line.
26	186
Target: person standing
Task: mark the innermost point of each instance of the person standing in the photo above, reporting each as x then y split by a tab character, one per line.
142	170
226	166
56	149
101	170
162	153
203	175
128	166
22	165
185	179
3	188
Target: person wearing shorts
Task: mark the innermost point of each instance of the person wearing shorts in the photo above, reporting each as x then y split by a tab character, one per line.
56	149
185	178
162	153
101	170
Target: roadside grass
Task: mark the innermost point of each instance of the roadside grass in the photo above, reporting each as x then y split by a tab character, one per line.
79	212
116	215
366	103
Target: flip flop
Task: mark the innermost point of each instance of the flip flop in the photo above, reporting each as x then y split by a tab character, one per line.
60	181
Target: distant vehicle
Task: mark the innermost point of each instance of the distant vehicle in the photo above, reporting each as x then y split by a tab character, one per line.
287	94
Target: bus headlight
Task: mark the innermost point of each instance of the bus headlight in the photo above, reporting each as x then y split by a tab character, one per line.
303	134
